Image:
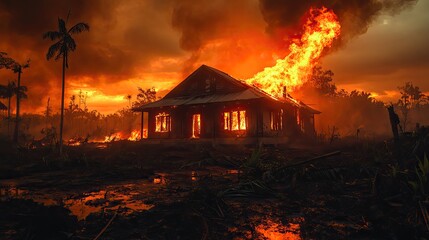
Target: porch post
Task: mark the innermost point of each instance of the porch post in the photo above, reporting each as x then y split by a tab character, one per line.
141	128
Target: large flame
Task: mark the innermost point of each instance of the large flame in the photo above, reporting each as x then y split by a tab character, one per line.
321	28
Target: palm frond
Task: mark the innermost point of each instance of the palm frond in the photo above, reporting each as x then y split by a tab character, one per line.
53	35
21	91
54	49
5	61
23	95
70	43
26	65
22	88
62	26
60	54
3	91
78	28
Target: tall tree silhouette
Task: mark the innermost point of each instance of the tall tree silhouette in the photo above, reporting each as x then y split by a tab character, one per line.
17	68
8	92
5	61
60	49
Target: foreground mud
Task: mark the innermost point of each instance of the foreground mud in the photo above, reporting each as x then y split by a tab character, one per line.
131	191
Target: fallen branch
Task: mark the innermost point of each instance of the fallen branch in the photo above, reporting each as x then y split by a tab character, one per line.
107	225
311	160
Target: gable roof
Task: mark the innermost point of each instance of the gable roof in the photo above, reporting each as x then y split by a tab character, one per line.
239	90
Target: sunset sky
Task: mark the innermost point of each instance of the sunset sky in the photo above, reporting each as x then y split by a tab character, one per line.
156	43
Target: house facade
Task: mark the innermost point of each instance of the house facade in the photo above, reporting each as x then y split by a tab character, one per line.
209	104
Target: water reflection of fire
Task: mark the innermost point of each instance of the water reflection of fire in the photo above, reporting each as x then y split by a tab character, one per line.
274	231
160	179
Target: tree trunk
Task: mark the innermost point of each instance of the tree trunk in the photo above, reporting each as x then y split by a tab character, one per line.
8	117
394	122
16	133
141	128
62	103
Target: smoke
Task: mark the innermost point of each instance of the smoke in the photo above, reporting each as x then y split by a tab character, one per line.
122	40
205	21
201	22
355	16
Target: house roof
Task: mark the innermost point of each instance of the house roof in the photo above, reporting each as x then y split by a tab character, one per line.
2	106
245	92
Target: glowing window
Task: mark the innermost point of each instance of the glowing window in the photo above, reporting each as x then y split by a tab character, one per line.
163	123
196	125
234	120
298	120
276	120
226	120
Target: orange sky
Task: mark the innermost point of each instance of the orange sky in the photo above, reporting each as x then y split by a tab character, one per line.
154	43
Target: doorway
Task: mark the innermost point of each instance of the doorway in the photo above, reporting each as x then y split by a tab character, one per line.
196	125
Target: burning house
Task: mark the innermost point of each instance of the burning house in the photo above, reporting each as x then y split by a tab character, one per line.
211	105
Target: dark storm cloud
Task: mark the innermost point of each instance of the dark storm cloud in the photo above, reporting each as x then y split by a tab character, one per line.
392	52
123	36
202	21
355	16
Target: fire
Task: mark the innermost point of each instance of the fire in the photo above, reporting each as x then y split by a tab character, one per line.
235	120
135	136
117	136
113	137
196	125
320	30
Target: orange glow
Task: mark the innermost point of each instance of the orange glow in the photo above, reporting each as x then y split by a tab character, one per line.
274	231
235	120
242	120
194	176
117	136
298	118
114	137
163	123
226	120
135	135
276	120
196	125
160	179
321	28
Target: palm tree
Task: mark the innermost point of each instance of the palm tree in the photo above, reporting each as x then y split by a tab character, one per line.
65	44
5	61
17	68
128	97
7	92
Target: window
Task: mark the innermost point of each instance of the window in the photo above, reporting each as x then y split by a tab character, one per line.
298	120
234	120
276	120
196	125
163	123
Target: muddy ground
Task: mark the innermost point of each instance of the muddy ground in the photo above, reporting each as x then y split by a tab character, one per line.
358	189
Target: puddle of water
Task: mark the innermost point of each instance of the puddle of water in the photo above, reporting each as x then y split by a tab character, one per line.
232	171
101	145
129	197
11	192
160	178
194	176
273	230
103	200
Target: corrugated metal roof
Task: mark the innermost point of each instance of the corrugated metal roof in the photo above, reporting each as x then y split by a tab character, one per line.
251	92
204	99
